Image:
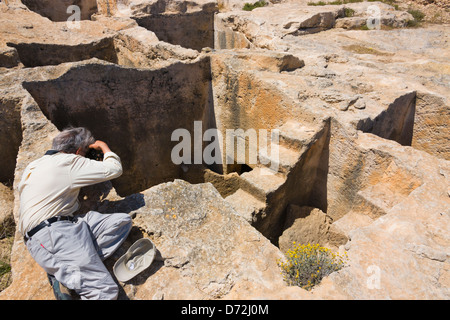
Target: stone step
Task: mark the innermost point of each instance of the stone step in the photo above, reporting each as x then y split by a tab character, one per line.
376	200
278	158
351	221
260	182
246	205
294	134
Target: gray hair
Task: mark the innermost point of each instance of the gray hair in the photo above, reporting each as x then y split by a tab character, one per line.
71	139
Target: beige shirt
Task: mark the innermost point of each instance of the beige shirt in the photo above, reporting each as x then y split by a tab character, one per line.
50	185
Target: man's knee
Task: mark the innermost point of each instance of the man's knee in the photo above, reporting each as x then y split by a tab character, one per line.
127	219
110	292
106	290
125	222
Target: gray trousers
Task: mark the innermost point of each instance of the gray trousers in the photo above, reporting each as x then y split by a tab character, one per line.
74	252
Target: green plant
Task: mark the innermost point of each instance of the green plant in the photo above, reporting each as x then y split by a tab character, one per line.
5	275
418	18
339	2
306	265
4	268
257	4
335	2
348	12
7	230
412	23
320	3
364	27
417	15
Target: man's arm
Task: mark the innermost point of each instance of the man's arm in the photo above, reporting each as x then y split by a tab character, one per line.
85	172
100	145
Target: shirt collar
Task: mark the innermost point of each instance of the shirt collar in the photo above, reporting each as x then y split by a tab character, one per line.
50	152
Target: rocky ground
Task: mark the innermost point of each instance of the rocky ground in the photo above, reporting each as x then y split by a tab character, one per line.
361	109
436	11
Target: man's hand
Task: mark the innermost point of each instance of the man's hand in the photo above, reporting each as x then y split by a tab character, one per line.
100	145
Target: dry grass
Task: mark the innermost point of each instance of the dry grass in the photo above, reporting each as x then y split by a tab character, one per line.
356	48
7	230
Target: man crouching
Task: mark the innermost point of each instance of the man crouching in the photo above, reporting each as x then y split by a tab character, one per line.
71	249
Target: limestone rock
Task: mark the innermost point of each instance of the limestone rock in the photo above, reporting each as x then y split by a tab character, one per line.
364	13
306	225
139	47
264	26
60	11
263	60
430	131
39	41
409	235
191	22
207	249
9	58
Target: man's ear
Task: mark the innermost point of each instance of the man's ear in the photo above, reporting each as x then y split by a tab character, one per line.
79	152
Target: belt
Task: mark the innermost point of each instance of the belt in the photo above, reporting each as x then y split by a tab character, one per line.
46	223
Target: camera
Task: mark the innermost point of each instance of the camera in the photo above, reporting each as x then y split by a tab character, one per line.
94	154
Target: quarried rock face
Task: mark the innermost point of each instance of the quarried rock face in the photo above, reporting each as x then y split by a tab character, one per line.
431	130
192	29
10	135
9	58
207	251
61	11
133	110
409	236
